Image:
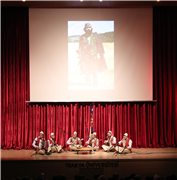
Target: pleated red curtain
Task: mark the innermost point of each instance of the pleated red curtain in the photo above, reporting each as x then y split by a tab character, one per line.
148	124
57	118
139	120
165	73
14	76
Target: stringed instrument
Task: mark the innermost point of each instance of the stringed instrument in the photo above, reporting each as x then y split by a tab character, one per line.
90	144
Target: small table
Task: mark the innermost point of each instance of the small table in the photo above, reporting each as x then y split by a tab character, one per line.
84	149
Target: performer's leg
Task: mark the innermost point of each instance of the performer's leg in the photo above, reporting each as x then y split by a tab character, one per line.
105	147
59	148
34	152
111	148
89	146
49	149
119	149
41	151
53	149
71	147
126	151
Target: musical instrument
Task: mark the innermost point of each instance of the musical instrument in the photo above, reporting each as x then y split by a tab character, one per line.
78	146
90	144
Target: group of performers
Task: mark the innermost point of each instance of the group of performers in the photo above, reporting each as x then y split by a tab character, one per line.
50	146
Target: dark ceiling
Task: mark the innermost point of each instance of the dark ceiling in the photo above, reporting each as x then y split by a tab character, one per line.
87	4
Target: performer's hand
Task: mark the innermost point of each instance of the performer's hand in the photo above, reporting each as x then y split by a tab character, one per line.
106	141
72	143
38	148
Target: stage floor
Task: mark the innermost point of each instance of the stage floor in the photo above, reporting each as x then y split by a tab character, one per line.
142	161
137	154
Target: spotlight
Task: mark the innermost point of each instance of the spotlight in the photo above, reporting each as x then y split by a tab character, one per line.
158	0
100	0
81	0
23	0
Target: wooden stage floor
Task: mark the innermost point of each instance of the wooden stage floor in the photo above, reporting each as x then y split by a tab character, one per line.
162	161
142	153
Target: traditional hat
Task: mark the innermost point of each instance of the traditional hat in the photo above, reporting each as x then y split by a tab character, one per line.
75	132
41	132
110	132
52	134
94	133
87	25
126	134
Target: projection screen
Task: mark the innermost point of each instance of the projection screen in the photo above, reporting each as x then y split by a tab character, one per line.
90	54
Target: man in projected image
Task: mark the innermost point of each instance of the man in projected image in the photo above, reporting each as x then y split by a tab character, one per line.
91	53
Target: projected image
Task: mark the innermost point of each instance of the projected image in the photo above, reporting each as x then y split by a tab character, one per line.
91	55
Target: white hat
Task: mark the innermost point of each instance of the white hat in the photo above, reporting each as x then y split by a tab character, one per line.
94	133
52	134
110	132
126	134
41	132
75	132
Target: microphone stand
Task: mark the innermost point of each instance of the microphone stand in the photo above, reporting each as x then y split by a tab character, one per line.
64	135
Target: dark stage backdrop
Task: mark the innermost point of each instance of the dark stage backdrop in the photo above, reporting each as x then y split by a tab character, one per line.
149	124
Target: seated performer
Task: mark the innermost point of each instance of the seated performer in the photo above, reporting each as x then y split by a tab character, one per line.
74	141
109	143
53	146
93	142
125	145
40	144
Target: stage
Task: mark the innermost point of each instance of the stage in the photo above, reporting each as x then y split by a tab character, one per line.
137	154
141	161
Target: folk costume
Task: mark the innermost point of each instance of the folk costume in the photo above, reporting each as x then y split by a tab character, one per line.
125	146
39	144
53	146
91	53
93	142
75	140
111	142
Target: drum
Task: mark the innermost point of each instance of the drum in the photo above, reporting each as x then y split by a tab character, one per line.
78	146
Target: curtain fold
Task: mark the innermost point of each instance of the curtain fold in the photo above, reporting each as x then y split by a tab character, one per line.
137	119
165	73
148	124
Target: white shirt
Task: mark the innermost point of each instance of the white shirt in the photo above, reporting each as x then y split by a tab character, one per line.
93	142
124	143
49	143
111	140
73	140
42	143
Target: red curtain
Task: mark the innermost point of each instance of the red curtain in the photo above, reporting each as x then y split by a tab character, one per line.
137	119
165	73
148	124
